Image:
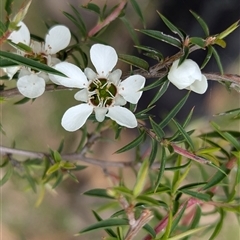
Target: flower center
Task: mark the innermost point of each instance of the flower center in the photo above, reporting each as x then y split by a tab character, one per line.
102	92
37	57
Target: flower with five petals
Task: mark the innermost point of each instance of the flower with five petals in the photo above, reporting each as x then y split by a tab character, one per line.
102	92
30	83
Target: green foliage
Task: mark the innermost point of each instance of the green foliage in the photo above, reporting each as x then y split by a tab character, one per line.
173	172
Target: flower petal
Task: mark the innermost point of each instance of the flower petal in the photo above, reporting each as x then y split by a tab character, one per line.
31	86
184	75
10	71
104	58
82	95
115	76
76	78
119	100
21	35
122	116
76	116
129	88
91	75
100	113
200	86
58	38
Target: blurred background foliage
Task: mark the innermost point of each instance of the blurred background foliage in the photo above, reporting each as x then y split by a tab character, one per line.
36	126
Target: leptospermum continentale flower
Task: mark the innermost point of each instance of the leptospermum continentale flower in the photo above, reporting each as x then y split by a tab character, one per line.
188	76
102	93
30	83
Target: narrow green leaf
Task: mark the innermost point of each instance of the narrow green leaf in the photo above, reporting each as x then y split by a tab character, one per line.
59	179
135	61
98	192
30	178
178	217
162	37
217	178
184	56
55	167
197	41
29	63
131	30
192	185
109	231
177	167
150	200
202	196
57	157
229	30
8	6
152	52
157	130
161	169
169	226
202	23
184	134
78	23
186	122
174	111
138	10
136	142
187	233
154	151
141	178
92	7
160	92
171	26
219	225
108	223
227	136
217	58
6	63
7	175
208	57
150	230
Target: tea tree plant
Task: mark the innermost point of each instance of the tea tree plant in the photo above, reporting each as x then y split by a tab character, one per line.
165	201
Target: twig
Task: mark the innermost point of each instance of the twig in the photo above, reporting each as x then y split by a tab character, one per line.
108	20
68	157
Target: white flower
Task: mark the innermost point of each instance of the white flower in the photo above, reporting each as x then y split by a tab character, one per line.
30	83
102	92
188	75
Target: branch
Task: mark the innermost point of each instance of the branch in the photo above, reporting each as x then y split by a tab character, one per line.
68	157
108	20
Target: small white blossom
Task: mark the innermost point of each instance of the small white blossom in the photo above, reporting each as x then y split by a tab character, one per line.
102	93
30	83
188	76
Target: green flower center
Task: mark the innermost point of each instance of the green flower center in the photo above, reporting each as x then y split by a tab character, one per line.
102	92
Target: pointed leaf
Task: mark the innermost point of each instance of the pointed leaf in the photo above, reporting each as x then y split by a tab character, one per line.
109	231
137	141
162	37
156	129
153	151
141	178
138	10
161	169
108	223
160	92
184	134
208	57
20	60
174	111
135	61
219	225
202	196
217	58
7	175
202	23
98	192
172	27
